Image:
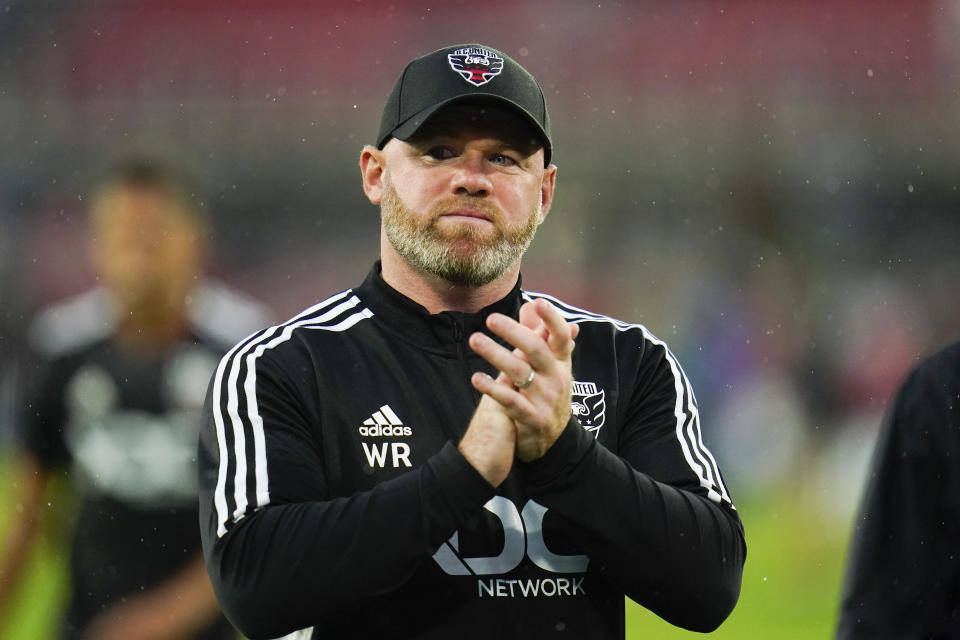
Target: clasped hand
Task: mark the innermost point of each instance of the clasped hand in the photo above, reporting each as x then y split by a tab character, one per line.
525	408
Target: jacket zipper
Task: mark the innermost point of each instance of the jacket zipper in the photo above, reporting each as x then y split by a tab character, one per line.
458	336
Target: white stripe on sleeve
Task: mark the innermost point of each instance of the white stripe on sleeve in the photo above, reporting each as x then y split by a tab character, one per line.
687	416
232	361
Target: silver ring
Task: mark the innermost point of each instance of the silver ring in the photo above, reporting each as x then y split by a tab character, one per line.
529	381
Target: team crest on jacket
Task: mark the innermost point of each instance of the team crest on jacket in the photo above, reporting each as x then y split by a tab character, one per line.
476	65
588	404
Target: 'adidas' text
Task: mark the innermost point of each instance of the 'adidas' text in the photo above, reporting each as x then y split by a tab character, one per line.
386	431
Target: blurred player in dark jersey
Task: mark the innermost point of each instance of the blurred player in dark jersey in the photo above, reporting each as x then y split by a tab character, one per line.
903	577
115	399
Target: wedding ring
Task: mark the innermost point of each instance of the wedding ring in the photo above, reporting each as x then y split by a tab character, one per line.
526	383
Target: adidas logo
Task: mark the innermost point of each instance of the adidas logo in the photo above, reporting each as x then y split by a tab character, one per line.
384	423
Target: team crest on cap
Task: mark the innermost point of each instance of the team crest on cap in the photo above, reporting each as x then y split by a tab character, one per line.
588	404
476	65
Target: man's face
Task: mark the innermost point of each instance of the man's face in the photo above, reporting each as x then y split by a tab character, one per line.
146	249
462	199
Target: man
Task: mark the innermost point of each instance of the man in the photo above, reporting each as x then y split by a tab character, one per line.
116	404
903	576
429	455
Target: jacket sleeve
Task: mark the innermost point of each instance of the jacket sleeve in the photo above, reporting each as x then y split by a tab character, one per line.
903	571
281	553
656	518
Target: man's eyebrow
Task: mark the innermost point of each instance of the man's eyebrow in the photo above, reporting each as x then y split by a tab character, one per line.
525	146
427	137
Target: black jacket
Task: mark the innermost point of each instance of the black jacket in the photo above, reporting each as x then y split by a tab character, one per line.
333	494
903	577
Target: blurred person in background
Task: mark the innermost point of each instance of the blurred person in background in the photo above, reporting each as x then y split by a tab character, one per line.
120	373
430	455
903	573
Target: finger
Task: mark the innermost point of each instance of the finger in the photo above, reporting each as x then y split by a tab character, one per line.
517	405
574	331
530	319
513	365
560	338
533	346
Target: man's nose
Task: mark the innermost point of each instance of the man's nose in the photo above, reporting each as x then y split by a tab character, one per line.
471	177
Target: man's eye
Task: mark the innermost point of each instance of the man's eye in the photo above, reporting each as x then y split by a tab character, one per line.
499	158
440	153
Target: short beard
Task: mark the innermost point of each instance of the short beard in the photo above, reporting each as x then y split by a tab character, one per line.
463	256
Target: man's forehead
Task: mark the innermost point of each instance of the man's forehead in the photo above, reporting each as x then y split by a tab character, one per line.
488	121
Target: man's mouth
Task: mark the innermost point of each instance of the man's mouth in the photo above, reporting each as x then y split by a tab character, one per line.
472	215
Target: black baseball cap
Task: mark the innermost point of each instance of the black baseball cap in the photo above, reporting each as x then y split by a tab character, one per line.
471	73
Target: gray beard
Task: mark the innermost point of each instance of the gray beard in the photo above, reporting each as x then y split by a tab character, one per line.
465	256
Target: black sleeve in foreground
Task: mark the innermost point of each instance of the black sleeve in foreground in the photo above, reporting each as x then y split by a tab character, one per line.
903	573
671	551
284	554
289	566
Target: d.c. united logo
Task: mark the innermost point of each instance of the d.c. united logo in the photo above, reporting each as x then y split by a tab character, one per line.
589	405
475	64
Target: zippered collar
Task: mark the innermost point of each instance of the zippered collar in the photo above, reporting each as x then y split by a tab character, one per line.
445	332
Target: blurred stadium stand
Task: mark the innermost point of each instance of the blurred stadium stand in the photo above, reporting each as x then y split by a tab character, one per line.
771	187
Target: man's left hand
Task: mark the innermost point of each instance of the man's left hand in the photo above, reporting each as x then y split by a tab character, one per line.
535	378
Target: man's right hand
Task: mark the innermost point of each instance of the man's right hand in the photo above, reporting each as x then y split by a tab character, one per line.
490	441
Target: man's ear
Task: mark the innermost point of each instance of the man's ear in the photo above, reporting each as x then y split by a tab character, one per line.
371	172
547	187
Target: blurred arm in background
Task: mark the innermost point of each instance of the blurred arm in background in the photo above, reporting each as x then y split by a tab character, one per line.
903	576
29	484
